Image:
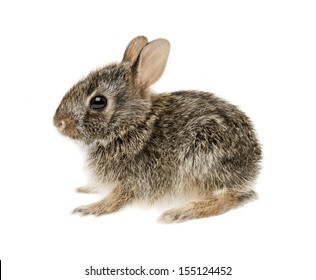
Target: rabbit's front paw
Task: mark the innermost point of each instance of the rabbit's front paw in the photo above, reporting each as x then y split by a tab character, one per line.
113	202
86	189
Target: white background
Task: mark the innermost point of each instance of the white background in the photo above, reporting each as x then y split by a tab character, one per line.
259	55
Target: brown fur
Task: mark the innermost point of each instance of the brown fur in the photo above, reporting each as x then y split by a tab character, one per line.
150	147
113	202
200	209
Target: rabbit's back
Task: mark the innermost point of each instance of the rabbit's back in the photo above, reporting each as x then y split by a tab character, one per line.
193	123
207	139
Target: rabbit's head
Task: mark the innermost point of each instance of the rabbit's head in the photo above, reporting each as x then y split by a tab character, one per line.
113	99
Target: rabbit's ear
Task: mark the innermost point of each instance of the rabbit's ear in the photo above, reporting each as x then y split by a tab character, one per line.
152	62
134	48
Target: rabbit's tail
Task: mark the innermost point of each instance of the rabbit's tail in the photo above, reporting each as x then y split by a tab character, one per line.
244	197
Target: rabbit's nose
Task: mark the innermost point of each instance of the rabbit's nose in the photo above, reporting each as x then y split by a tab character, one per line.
67	127
61	125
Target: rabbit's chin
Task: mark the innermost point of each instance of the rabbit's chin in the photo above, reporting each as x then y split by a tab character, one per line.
86	144
83	143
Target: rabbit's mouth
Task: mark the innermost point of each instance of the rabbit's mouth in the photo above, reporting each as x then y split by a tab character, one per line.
68	128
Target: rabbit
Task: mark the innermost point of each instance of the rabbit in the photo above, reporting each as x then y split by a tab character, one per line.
152	147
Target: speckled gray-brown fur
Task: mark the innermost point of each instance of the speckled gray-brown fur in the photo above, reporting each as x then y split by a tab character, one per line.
151	147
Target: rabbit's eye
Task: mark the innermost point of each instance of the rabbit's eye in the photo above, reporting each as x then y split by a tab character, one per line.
98	103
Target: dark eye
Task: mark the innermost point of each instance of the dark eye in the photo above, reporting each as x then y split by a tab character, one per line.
98	103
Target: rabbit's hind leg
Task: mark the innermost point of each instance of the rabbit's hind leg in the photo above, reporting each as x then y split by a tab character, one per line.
200	209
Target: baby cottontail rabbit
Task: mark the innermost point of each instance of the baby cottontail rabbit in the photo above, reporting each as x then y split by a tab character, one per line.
150	147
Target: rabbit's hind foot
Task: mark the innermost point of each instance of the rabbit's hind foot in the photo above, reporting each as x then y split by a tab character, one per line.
200	209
